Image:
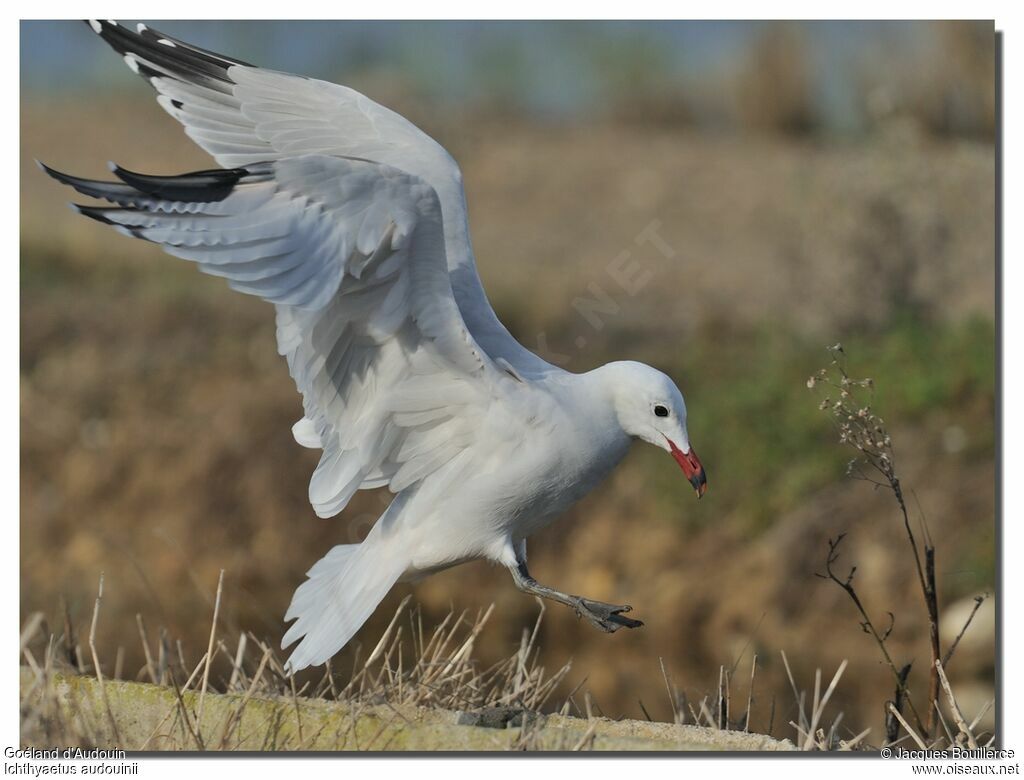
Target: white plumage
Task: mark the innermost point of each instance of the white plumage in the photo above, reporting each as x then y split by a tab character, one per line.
352	222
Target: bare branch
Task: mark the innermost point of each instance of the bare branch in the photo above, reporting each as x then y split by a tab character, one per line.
978	601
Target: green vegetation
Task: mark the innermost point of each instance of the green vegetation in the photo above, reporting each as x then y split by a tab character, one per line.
765	444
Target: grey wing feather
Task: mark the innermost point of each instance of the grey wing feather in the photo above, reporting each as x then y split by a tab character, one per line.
352	255
242	114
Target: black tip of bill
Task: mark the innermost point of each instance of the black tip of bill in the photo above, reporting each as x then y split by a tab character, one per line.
700	483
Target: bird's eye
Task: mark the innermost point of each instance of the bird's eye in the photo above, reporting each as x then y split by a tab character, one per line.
660	411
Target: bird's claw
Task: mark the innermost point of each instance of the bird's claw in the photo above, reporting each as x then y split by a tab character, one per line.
607	617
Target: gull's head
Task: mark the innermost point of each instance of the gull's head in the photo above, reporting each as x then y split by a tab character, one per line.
649	406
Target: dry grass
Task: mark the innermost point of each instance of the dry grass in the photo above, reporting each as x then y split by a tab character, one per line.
849	405
408	668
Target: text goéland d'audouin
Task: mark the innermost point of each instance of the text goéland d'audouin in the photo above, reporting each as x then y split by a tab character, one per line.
98	762
65	754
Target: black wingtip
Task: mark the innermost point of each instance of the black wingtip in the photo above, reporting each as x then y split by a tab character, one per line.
134	188
152	55
104	27
113	191
188	49
99	213
199	186
63	178
93	212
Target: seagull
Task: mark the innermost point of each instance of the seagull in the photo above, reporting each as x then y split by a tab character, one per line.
352	222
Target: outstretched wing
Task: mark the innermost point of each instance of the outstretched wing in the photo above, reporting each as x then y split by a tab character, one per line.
242	114
352	254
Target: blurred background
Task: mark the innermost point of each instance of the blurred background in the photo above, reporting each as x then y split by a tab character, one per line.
778	186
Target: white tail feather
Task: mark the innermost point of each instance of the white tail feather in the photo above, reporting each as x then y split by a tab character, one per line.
343	589
305	434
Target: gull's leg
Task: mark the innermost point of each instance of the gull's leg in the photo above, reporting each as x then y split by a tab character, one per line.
607	617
